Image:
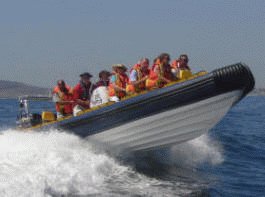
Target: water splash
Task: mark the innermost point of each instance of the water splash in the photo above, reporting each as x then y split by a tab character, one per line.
54	164
195	152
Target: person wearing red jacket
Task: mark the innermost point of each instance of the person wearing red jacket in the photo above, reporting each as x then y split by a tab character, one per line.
82	93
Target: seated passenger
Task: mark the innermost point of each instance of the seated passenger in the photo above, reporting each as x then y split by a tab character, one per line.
180	64
101	93
161	74
82	93
104	78
118	82
138	76
63	97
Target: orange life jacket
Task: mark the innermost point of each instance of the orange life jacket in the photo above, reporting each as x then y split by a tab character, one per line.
121	81
164	71
152	80
156	63
64	108
141	86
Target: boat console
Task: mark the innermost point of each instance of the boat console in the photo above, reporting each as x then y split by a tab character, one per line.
25	118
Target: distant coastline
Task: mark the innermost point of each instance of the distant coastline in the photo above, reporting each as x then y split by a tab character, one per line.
258	92
13	89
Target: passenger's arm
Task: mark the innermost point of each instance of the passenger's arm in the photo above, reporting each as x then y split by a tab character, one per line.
113	82
77	100
165	79
139	81
118	88
65	102
83	103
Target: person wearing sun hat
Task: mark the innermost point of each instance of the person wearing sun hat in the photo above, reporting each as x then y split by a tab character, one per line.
119	81
82	92
117	67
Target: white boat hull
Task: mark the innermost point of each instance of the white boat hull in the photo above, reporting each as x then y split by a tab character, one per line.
169	127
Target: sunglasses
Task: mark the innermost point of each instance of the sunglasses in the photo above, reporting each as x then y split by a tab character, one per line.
184	60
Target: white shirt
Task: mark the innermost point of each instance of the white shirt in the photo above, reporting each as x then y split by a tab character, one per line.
133	75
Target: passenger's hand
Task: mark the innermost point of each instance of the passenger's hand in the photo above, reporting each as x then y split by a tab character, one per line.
145	78
130	93
168	81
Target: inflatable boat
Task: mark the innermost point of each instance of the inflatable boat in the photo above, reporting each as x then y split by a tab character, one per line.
179	112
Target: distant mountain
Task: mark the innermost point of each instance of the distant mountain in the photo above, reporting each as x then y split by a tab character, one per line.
12	89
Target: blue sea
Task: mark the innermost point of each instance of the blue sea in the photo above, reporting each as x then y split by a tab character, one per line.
228	161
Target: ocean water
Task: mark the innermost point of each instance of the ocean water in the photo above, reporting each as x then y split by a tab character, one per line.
228	161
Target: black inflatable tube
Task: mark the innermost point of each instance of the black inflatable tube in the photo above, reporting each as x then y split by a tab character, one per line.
233	77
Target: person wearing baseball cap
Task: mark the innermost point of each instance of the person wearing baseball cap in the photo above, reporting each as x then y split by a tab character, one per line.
82	93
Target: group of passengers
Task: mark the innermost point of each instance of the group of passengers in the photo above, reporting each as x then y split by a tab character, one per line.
70	101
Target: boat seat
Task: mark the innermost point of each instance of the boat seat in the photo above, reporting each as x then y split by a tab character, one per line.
48	116
185	74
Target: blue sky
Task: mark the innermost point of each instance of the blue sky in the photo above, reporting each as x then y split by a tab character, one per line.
45	40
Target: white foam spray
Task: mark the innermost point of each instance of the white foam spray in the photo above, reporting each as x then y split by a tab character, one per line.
57	163
197	151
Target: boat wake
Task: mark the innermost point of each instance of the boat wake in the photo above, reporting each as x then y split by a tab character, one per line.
57	163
